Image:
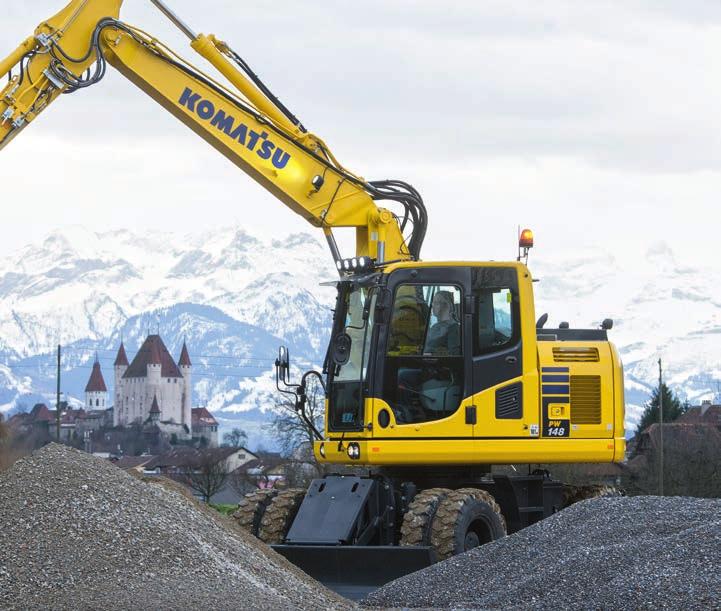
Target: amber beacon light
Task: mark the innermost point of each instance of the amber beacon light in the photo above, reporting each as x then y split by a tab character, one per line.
525	243
525	240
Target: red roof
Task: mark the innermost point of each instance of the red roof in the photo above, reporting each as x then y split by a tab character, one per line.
40	413
155	408
153	351
154	356
72	415
122	358
184	360
200	416
703	414
96	383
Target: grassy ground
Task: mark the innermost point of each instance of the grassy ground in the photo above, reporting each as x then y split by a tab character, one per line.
224	508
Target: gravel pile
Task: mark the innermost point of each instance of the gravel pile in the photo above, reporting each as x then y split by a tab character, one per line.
76	532
607	553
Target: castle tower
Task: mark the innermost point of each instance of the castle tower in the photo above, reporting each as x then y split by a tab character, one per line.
155	410
120	366
152	388
96	393
186	369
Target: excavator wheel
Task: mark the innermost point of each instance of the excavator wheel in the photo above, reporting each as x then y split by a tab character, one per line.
279	515
252	507
466	518
416	528
574	494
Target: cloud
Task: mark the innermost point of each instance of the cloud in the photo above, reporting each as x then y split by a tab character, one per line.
591	121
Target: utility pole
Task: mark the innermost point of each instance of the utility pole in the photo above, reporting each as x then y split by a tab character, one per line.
660	421
57	400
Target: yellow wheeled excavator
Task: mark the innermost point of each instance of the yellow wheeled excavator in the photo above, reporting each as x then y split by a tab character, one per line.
434	371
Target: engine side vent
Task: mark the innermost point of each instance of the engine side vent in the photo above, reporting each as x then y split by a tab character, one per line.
575	355
586	399
509	402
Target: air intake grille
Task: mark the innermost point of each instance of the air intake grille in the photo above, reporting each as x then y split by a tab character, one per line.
509	402
575	355
586	399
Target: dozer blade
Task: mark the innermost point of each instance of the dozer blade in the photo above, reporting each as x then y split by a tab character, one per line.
355	571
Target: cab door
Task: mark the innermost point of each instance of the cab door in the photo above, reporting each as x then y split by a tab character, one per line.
497	353
423	373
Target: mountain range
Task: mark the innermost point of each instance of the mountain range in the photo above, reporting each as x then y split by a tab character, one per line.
235	297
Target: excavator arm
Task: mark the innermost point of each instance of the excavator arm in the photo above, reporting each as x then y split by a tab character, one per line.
246	123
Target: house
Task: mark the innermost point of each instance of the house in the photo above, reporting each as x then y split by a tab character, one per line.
180	459
706	413
132	463
205	427
37	422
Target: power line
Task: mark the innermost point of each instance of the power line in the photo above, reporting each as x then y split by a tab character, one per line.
195	356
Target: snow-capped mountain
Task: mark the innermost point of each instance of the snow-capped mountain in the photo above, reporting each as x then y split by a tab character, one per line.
661	309
235	297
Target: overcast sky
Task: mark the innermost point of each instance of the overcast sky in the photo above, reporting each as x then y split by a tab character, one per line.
596	123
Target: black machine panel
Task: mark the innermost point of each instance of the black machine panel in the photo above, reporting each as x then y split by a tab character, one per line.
509	402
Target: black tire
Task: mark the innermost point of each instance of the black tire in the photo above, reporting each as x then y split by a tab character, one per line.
252	507
416	527
465	519
279	515
574	494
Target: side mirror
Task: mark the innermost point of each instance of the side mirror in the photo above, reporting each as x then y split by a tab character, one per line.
340	354
282	363
607	324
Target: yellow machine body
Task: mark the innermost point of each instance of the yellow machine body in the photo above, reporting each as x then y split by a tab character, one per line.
572	407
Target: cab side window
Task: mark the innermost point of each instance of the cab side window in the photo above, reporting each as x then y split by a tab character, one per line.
495	319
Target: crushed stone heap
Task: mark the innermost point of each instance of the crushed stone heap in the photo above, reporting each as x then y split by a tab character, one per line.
76	532
606	553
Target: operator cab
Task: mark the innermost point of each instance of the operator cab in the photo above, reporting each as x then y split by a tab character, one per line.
421	338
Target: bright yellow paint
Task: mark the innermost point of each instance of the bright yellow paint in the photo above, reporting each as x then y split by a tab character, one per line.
499	441
342	200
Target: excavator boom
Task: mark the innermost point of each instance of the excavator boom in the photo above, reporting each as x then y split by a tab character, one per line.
246	123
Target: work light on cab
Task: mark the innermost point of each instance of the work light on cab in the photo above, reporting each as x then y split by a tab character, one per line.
354	264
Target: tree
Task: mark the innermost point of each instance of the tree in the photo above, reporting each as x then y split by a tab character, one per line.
296	437
290	429
692	462
241	482
236	438
672	408
207	475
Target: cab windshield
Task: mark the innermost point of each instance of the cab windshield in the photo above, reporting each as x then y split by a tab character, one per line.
356	305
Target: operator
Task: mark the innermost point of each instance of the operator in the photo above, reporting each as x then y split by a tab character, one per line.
444	337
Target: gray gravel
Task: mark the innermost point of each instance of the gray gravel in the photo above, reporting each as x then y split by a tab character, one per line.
607	553
76	532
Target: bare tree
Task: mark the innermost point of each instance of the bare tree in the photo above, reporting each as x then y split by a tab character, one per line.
236	438
290	429
241	482
207	476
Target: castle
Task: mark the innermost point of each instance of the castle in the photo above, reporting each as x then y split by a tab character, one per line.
153	391
153	387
